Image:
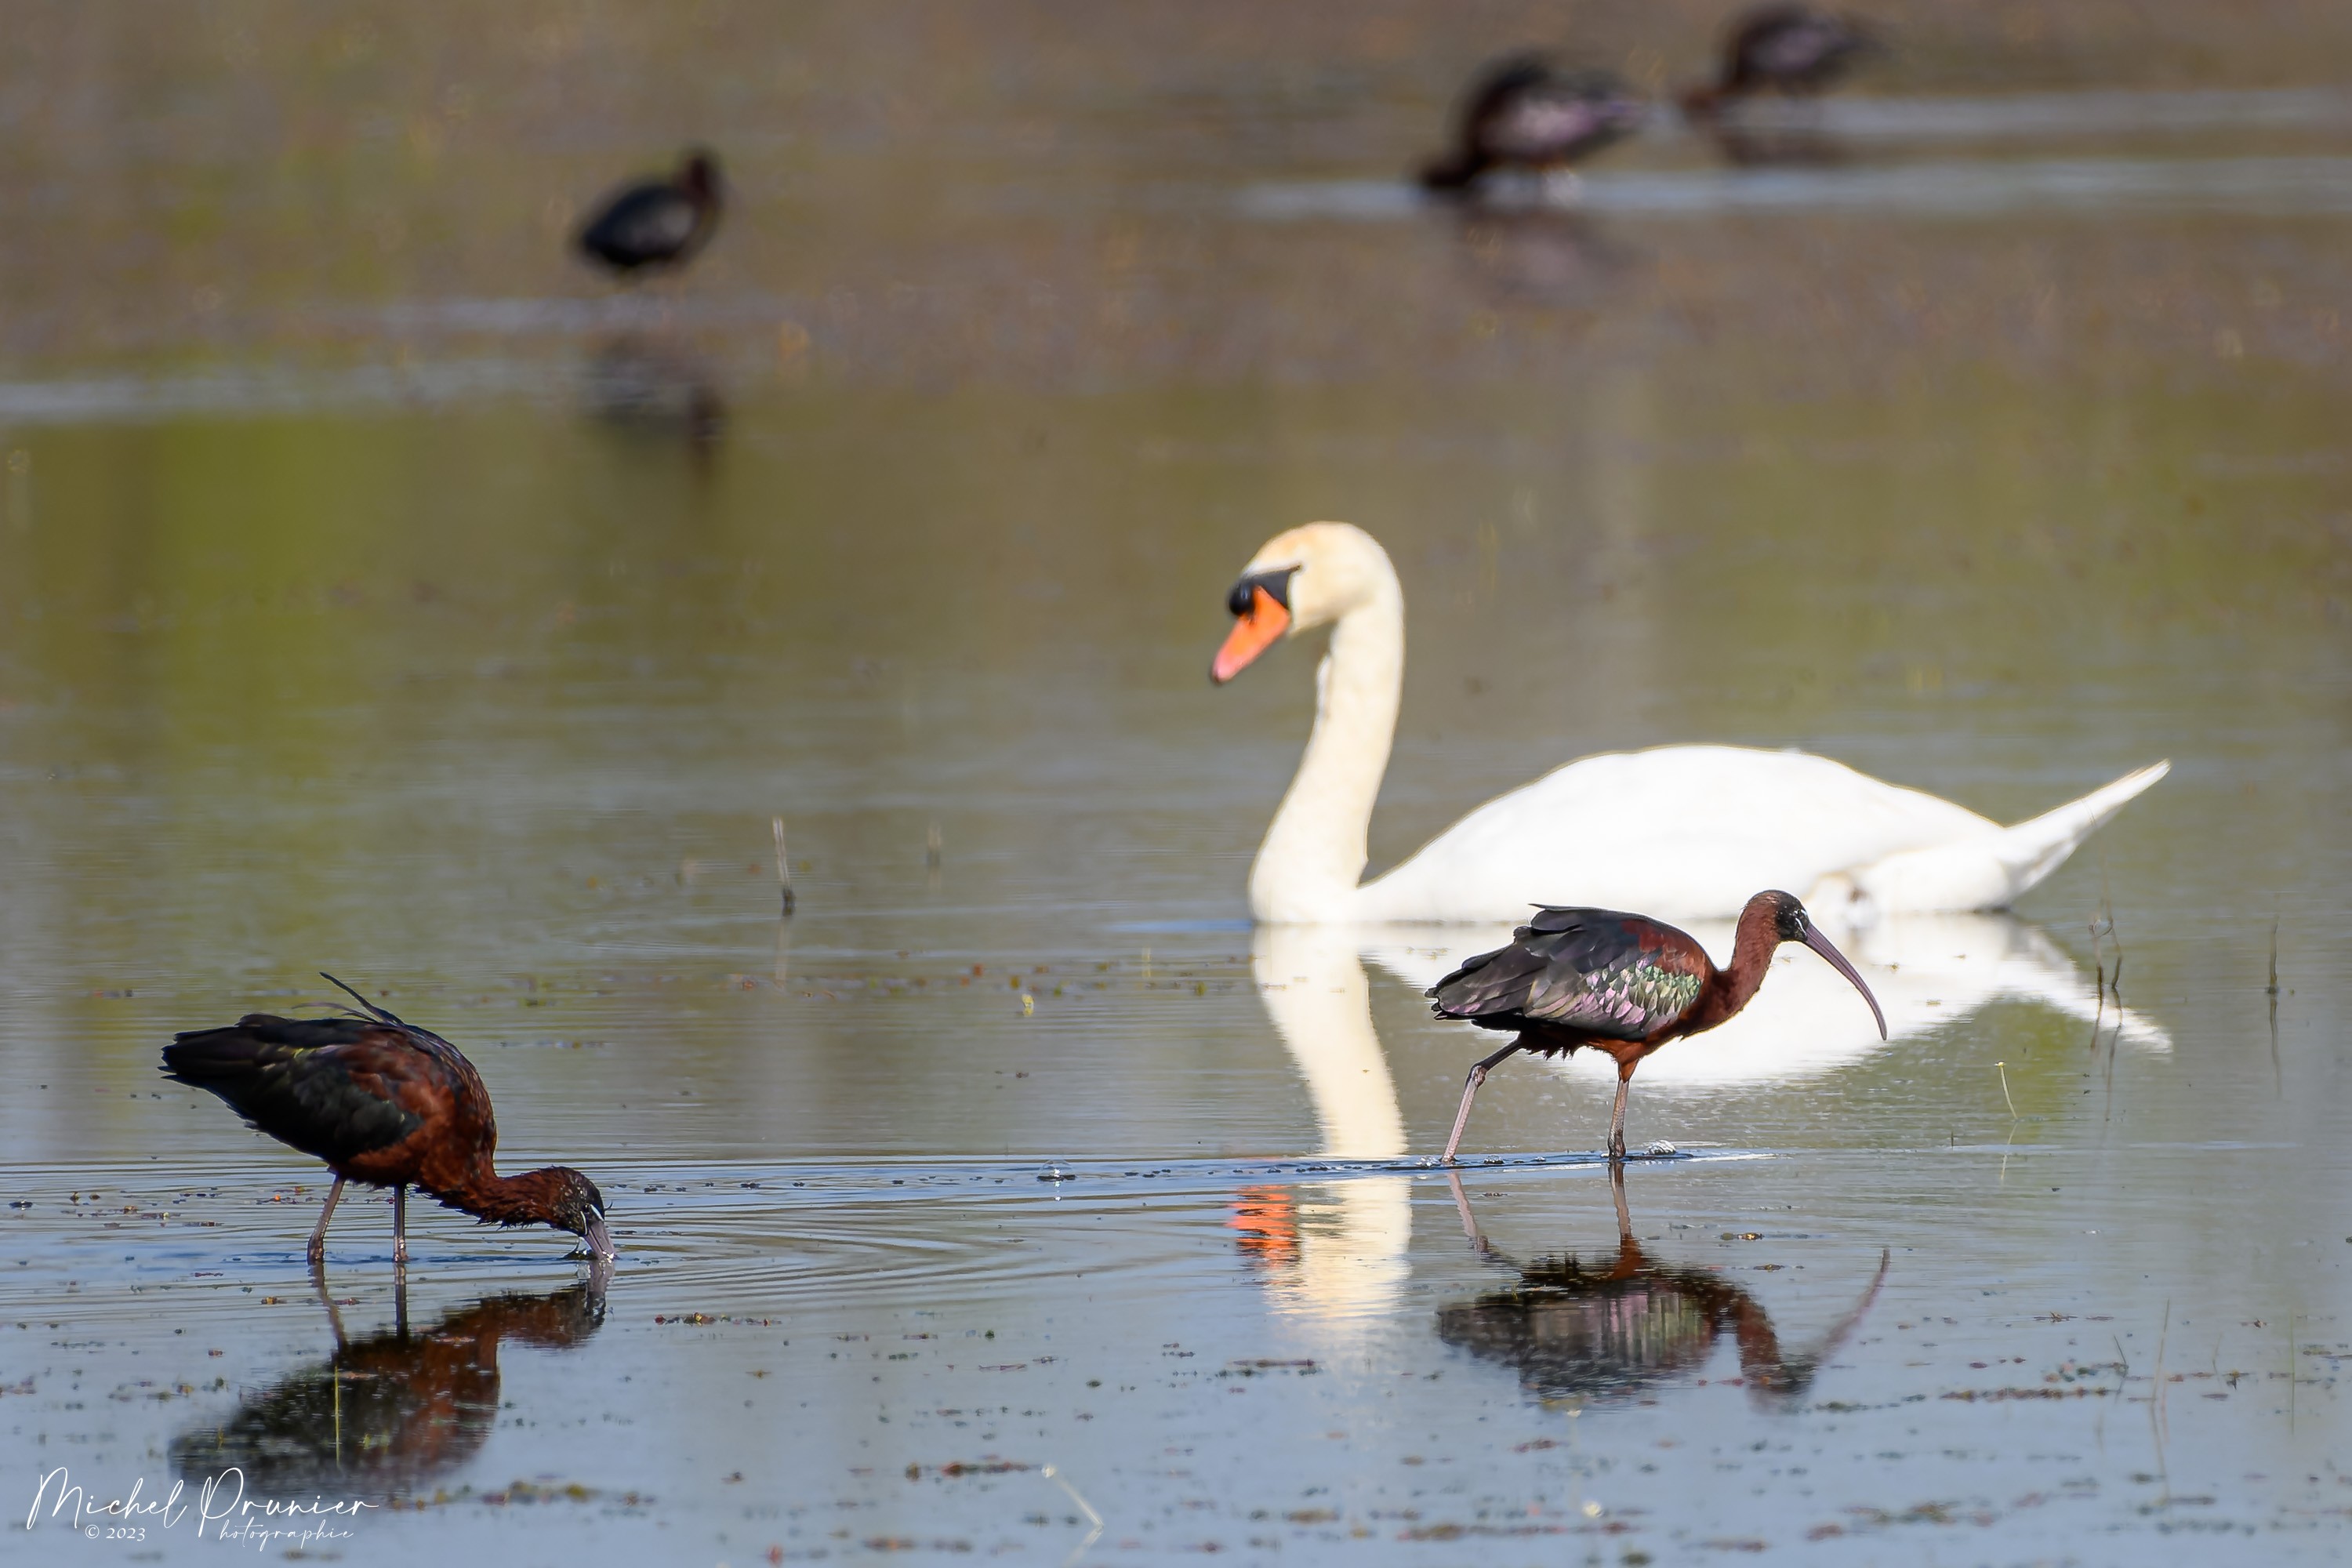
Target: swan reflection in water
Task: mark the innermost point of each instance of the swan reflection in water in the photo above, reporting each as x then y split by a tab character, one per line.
1614	1325
1332	1249
386	1415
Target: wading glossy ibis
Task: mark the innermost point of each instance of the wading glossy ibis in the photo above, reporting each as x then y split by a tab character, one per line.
1619	984
656	223
1525	114
1794	50
385	1102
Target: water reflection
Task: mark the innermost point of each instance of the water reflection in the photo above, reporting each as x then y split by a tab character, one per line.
1539	256
384	1415
1927	972
641	383
1616	1326
1334	1248
1775	145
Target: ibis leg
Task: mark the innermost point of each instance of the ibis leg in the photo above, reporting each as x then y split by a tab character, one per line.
326	1300
400	1218
1469	1093
1462	1207
319	1237
1617	1117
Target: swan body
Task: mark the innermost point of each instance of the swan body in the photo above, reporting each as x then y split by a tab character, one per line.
1680	831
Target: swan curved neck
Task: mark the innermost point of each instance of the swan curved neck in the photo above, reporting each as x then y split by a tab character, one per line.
1313	853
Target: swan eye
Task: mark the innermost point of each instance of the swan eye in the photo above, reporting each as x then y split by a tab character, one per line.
1276	585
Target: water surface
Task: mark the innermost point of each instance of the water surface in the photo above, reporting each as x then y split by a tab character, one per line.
395	601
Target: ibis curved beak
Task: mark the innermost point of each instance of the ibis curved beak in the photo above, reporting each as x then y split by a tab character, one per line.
600	1240
1252	634
1821	944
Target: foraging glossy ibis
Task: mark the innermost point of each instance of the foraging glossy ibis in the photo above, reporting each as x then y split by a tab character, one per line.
1611	1327
656	223
1686	832
385	1102
1794	50
1623	984
1524	113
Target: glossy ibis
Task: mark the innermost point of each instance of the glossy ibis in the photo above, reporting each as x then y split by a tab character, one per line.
1623	984
1794	50
1615	1327
1525	114
656	223
1686	832
385	1102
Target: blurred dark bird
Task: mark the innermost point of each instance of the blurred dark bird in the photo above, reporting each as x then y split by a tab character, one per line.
386	1415
1623	985
386	1104
1524	115
1794	50
657	222
1611	1327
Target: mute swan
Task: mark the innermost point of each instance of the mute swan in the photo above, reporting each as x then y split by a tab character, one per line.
1682	831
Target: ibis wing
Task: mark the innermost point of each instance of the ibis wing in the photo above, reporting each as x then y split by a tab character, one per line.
331	1086
1597	971
647	223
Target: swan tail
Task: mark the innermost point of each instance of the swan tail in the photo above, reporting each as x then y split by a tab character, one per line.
1992	870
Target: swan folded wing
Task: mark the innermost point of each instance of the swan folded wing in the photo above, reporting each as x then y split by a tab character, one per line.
329	1086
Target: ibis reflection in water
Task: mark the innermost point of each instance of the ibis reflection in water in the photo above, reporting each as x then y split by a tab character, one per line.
647	386
1612	1325
385	1416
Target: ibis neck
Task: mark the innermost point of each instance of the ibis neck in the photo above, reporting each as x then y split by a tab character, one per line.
1313	853
1732	987
525	1199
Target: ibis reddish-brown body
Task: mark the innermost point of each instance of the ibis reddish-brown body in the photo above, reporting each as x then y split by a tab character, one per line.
1625	985
1794	50
1524	113
386	1104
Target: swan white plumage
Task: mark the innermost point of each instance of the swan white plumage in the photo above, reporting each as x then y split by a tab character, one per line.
1678	832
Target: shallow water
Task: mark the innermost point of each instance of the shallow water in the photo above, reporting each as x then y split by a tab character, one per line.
410	608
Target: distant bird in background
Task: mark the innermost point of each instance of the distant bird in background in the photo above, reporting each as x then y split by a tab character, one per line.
386	1104
657	222
1525	115
1621	985
1794	50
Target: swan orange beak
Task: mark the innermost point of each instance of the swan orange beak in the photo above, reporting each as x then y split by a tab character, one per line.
1257	629
1821	944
